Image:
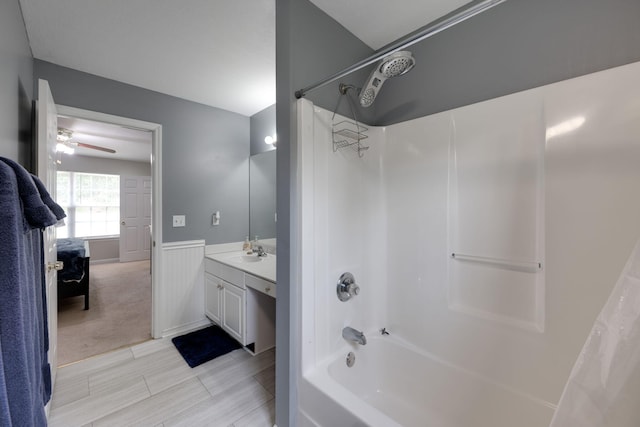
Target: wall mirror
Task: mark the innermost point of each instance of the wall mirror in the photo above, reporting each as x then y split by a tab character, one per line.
262	195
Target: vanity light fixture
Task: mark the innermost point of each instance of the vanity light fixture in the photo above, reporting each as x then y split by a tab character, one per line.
271	140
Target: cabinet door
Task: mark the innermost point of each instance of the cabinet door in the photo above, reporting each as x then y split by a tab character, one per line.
212	292
233	311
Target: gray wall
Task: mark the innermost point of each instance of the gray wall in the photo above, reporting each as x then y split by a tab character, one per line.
16	86
519	45
205	150
263	123
515	46
105	250
309	46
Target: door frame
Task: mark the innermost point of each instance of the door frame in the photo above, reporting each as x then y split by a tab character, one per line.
156	195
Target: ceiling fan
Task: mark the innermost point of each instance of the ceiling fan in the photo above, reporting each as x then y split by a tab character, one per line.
67	146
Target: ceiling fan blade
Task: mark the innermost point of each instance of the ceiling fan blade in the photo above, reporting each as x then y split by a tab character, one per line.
95	147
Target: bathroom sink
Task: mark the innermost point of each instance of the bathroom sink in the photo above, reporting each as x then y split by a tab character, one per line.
247	258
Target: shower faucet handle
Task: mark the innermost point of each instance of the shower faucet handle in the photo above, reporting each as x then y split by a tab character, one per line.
347	287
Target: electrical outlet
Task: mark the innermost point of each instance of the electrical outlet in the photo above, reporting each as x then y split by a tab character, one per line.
179	221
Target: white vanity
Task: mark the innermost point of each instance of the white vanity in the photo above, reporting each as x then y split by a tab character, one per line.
240	292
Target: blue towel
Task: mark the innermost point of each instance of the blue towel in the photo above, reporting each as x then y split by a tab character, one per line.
46	198
39	211
25	385
36	212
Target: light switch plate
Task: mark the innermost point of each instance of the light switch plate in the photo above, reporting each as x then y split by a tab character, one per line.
178	220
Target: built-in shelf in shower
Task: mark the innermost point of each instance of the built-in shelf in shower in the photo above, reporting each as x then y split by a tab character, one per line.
526	266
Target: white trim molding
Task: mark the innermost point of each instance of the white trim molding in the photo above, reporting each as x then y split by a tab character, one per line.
156	198
181	292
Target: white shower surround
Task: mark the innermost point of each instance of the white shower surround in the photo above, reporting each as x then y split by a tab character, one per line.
386	218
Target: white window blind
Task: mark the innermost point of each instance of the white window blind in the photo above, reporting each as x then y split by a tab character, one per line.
92	204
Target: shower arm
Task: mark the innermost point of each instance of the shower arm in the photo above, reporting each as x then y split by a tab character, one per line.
425	33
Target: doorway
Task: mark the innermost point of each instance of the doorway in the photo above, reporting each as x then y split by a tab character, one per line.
107	272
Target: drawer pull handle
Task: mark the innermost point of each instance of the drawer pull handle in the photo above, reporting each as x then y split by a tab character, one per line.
267	289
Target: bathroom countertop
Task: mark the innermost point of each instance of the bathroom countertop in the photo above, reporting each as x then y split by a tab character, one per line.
265	269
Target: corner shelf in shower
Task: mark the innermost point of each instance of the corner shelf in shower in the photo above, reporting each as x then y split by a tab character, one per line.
348	134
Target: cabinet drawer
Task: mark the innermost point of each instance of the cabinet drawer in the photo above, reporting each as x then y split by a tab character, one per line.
231	275
212	267
261	285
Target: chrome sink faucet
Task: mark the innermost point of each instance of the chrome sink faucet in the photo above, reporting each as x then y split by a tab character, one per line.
353	335
260	251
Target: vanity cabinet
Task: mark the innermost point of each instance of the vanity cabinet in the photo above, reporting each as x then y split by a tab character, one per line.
225	301
225	305
242	304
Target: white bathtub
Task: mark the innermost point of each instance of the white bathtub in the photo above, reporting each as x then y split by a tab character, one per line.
393	384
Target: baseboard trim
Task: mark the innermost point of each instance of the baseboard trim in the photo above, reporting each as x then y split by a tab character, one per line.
104	261
183	329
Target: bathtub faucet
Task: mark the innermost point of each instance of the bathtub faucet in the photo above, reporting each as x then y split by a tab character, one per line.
353	335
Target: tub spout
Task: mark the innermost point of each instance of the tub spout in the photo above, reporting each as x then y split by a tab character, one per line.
353	335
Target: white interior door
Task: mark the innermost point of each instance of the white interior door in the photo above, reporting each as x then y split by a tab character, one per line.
47	120
135	213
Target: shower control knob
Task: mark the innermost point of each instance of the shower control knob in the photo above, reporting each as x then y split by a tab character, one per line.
347	287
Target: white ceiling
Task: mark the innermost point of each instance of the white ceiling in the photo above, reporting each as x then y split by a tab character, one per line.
215	52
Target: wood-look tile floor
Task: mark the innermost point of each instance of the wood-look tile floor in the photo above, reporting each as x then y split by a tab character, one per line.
150	384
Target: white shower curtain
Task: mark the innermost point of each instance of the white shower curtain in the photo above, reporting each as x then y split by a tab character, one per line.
603	389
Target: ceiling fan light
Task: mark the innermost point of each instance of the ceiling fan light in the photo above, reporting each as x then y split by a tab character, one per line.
64	135
64	148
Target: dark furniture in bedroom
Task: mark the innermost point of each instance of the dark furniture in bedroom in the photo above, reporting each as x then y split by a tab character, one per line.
73	279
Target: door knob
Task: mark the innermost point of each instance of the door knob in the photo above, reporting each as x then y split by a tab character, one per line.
123	223
58	265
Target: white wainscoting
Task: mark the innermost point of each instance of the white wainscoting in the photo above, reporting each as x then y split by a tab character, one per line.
181	287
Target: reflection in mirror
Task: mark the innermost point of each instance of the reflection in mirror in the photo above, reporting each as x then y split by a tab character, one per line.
262	195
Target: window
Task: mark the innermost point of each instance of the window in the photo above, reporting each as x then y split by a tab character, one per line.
92	204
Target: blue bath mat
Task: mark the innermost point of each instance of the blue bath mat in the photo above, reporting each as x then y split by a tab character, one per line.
206	344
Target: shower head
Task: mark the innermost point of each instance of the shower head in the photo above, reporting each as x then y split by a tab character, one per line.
396	64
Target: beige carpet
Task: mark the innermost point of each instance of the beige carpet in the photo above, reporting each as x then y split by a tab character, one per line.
119	312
